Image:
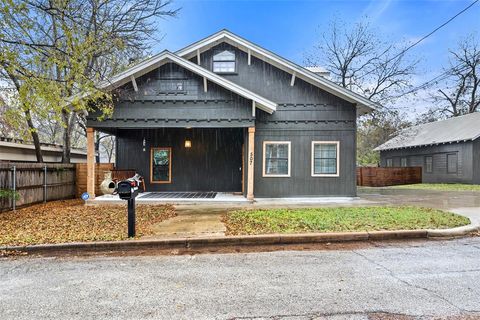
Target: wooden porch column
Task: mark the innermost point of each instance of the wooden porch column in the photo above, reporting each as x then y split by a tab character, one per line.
251	160
91	162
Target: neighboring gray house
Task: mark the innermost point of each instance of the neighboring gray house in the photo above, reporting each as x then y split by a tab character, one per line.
226	115
448	150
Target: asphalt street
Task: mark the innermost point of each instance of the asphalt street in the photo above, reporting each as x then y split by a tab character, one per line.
424	280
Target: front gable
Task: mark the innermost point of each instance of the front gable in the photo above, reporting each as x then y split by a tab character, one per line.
195	51
172	96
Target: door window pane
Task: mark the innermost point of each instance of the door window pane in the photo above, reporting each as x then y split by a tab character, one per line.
325	160
161	165
277	157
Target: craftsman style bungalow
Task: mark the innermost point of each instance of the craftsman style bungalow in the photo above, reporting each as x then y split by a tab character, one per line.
226	115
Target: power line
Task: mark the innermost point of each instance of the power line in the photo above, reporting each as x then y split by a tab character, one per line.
425	37
435	30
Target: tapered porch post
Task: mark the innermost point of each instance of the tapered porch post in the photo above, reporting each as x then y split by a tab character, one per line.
251	160
91	162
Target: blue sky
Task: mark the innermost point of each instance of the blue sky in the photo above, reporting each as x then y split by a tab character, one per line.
290	28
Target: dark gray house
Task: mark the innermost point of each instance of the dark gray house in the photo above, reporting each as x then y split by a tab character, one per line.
448	150
226	115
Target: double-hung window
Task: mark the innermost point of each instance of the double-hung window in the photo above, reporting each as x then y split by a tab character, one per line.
224	62
404	162
325	158
276	158
389	162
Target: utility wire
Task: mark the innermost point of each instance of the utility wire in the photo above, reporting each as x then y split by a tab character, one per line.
425	37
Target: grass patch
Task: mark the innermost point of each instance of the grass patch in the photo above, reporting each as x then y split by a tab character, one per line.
348	219
440	186
70	220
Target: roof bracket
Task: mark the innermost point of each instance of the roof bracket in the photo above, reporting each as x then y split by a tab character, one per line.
292	82
253	108
205	89
249	57
134	83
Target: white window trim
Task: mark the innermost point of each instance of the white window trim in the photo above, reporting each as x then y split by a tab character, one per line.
313	159
266	175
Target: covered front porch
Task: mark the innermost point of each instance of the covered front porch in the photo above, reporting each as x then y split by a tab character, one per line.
182	164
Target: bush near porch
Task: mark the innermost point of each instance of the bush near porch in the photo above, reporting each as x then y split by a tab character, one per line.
71	221
345	219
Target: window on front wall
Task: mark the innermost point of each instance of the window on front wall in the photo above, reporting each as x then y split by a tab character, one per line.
428	164
161	165
390	162
325	158
224	62
276	158
452	163
403	162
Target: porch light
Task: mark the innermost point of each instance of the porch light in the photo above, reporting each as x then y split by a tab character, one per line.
188	144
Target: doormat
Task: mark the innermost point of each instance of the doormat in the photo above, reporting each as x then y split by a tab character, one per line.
179	195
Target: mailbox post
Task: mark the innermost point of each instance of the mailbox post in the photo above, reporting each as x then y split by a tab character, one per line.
128	190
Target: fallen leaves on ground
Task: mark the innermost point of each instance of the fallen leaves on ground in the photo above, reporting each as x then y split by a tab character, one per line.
71	221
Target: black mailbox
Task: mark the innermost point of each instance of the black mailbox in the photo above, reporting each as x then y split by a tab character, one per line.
127	189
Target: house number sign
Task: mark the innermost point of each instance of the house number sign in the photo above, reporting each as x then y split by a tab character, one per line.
251	158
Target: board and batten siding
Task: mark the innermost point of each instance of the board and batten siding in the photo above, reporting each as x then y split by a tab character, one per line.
304	114
416	158
213	163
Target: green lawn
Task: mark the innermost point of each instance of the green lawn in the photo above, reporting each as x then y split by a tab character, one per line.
347	219
440	186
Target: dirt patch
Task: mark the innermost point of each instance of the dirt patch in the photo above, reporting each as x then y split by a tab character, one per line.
71	221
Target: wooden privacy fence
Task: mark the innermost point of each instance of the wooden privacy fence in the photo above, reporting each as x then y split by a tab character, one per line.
382	177
35	183
81	176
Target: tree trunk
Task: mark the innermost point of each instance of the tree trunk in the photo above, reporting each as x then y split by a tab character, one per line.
35	138
66	137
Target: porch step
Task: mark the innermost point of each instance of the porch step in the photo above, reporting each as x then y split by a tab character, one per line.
179	195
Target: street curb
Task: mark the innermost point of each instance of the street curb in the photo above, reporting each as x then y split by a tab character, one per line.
236	241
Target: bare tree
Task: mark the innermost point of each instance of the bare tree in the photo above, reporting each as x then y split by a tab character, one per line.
461	94
358	59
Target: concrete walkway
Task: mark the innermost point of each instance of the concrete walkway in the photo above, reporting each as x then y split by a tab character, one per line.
192	221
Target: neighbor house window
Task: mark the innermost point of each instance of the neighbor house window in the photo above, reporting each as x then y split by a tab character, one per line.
403	162
224	62
429	164
161	165
452	163
276	158
325	158
390	162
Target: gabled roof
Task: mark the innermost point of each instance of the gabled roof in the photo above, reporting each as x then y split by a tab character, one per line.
364	105
458	129
166	57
